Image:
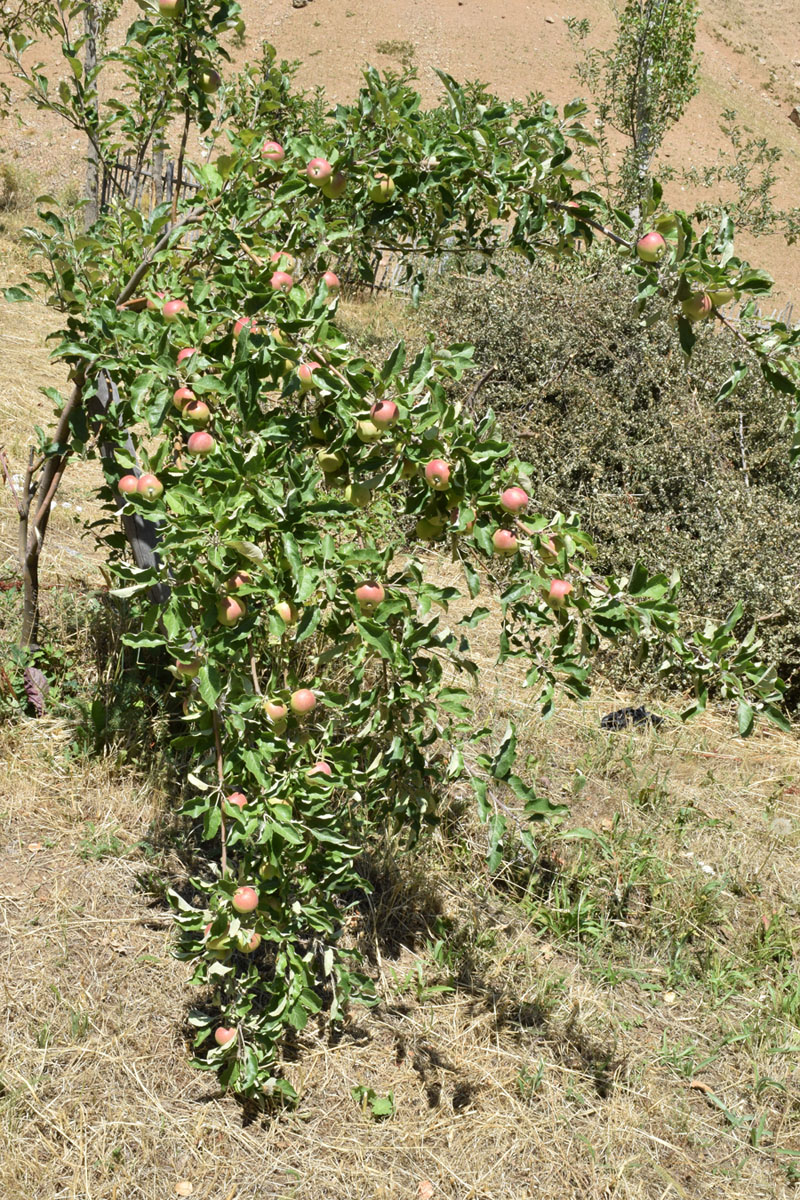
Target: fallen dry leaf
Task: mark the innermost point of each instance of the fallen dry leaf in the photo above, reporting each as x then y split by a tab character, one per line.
183	1188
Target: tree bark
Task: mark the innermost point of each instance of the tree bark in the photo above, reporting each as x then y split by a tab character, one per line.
90	190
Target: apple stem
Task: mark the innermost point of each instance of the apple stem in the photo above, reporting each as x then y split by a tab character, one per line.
223	834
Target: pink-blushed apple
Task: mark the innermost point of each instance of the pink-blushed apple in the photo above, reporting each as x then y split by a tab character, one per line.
236	799
197	412
154	303
208	80
149	486
358	495
181	397
367	432
329	461
369	596
185	353
251	944
240	579
384	413
514	500
437	474
557	593
305	374
382	188
230	611
173	309
331	281
336	186
319	768
201	444
189	668
651	247
697	307
128	485
302	702
281	281
284	260
504	542
319	171
275	711
245	899
245	324
286	611
222	1035
273	151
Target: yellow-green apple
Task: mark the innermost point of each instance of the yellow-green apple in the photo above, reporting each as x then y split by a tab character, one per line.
697	307
437	474
208	80
381	189
189	668
201	444
429	529
721	296
336	186
149	487
409	469
514	500
369	596
245	899
197	412
329	461
367	432
357	494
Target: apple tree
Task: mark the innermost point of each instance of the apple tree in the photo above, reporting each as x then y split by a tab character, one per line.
325	675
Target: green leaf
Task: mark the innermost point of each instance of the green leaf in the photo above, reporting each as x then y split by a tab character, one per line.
504	758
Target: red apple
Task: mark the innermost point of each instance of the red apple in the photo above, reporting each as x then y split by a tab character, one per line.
173	309
237	799
128	485
187	352
149	487
181	396
319	171
245	323
331	281
273	151
245	899
190	669
384	413
222	1036
558	592
275	711
697	307
336	186
197	412
281	281
504	542
382	188
302	702
305	373
437	474
651	247
286	611
201	444
240	579
319	768
230	611
514	499
369	596
209	80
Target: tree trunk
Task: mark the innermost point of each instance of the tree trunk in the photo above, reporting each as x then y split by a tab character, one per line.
90	190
